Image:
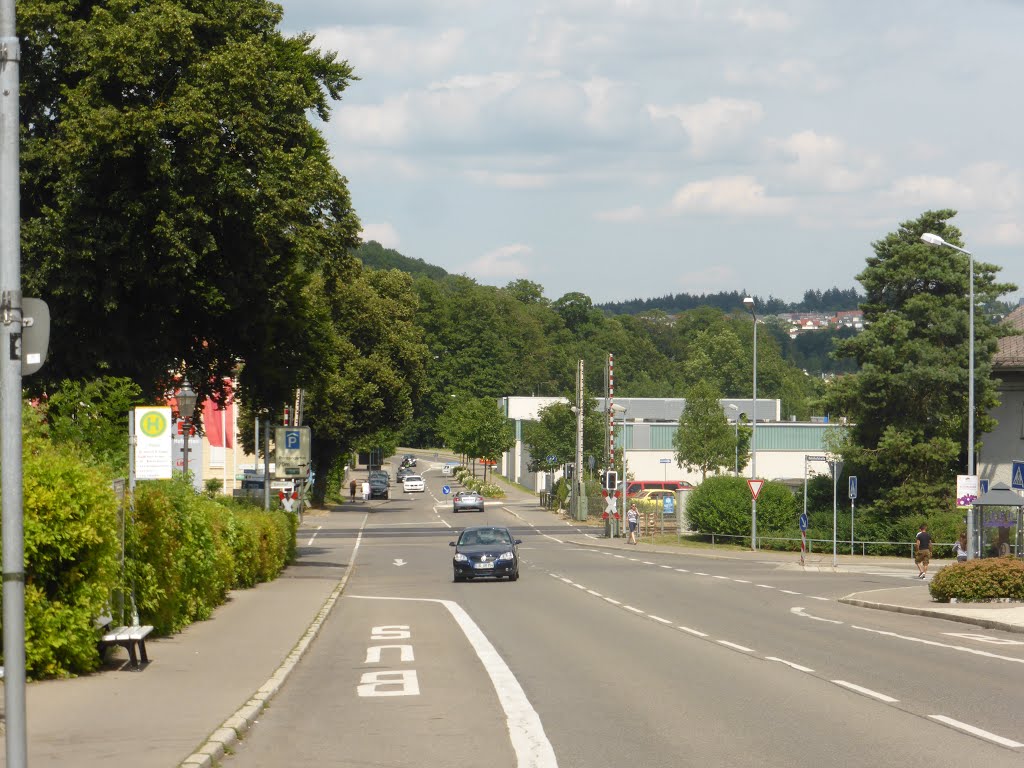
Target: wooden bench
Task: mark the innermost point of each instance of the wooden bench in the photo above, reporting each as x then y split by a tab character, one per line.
130	638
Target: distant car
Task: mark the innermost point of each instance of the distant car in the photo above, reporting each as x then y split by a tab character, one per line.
653	494
409	460
465	501
379	487
413	484
404	472
486	551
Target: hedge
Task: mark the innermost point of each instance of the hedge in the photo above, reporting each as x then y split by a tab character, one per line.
980	580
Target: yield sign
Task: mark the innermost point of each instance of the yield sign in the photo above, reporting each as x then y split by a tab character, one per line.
755	487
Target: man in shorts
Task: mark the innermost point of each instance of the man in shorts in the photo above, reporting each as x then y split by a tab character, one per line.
922	551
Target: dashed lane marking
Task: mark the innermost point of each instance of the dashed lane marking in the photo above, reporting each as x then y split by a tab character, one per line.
866	691
975	731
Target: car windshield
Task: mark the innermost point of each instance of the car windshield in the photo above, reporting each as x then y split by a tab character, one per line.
484	536
413	479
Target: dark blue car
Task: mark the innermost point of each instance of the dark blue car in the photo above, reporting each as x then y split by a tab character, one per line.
486	551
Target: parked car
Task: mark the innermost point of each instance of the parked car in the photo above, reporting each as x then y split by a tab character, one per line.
379	487
656	497
636	486
486	551
465	501
382	473
413	484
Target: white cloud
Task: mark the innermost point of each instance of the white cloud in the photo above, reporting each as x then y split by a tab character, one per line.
712	123
761	19
792	74
506	180
383	232
502	262
825	161
631	213
741	195
390	49
980	186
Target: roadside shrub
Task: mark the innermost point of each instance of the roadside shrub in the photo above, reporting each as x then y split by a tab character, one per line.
71	551
491	490
722	505
980	580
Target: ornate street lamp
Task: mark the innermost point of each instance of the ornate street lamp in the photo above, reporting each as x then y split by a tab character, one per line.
186	398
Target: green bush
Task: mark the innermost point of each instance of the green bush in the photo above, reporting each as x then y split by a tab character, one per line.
721	504
71	556
980	580
491	490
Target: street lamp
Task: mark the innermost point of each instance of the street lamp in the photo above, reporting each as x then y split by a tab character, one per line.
748	302
186	398
736	421
933	239
622	409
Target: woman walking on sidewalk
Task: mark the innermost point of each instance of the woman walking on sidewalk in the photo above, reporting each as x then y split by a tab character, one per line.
631	517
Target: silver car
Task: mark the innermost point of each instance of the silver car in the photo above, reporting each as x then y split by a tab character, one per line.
468	500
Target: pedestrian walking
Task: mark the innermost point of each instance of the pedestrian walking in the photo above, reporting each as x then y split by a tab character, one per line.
960	548
366	490
923	551
352	489
632	517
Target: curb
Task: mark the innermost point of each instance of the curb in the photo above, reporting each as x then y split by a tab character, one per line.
934	614
227	735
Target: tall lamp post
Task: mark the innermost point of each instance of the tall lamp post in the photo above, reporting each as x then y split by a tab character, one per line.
933	239
736	421
186	398
748	302
621	409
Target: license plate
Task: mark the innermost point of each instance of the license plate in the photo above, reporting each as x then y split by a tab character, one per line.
489	566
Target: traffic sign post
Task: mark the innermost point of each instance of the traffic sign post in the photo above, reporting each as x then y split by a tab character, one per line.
803	535
1017	476
836	465
853	498
292	452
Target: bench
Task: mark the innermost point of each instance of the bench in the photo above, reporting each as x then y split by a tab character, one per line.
129	638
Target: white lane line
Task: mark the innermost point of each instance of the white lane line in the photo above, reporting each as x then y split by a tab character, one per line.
977	731
764	586
789	592
634	610
579	586
310	542
595	594
526	732
700	573
800	612
648	562
794	665
621	557
737	647
984	638
721	577
741	581
694	632
826	599
658	618
866	692
567	581
961	648
612	601
664	566
681	570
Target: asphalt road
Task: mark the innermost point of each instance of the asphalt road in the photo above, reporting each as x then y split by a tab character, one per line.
606	658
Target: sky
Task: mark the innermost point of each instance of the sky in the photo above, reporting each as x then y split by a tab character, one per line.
637	148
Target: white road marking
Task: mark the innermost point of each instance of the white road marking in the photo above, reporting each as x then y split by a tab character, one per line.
789	591
612	601
658	618
691	631
800	612
737	647
826	599
984	638
579	586
977	731
765	586
720	577
866	692
634	610
595	594
682	570
623	557
400	562
798	667
310	542
648	562
741	581
664	566
962	649
526	732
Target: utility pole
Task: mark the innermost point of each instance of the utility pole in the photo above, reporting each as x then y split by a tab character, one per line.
10	395
580	501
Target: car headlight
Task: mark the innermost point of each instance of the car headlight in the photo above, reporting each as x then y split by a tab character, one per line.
461	558
507	556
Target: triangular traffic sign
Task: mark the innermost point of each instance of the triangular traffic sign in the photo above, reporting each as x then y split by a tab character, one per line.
1018	477
755	487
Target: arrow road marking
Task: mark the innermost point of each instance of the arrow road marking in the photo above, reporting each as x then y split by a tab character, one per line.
399	562
800	612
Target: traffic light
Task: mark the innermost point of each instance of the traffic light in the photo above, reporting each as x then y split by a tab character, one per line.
611	480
